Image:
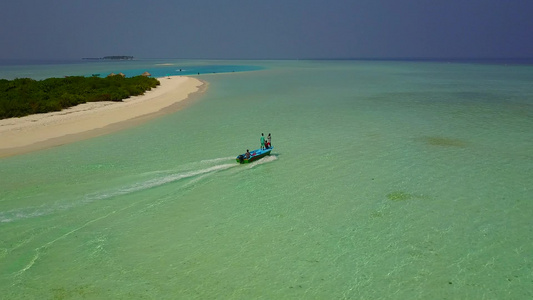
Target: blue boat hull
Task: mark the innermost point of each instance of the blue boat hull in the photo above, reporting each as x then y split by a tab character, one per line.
255	155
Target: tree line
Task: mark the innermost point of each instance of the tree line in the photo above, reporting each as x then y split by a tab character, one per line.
24	96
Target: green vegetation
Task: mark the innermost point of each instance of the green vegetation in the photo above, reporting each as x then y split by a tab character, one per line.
23	96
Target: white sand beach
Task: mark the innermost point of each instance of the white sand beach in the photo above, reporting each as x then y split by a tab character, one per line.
41	131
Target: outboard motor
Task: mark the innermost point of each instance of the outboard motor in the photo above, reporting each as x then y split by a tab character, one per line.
241	158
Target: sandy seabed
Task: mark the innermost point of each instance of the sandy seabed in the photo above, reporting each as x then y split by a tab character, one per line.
41	131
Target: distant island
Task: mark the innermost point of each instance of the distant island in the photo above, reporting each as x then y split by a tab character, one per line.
113	57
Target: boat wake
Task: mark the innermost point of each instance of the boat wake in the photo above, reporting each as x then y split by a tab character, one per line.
264	160
155	182
193	172
155	179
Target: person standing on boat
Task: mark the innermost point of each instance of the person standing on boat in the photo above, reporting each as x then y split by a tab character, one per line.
269	139
262	141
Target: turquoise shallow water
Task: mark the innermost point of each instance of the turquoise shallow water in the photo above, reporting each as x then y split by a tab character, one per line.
388	180
102	68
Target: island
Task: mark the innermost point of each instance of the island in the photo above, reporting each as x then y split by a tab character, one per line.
113	57
24	96
46	130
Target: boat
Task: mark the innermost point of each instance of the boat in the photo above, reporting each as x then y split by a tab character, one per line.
254	155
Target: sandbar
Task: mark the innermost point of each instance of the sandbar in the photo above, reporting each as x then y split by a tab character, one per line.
42	131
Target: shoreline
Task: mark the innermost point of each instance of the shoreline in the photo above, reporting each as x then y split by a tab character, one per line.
92	119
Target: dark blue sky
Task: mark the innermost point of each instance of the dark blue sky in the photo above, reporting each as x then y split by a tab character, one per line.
274	29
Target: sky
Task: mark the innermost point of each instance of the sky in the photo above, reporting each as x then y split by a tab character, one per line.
273	29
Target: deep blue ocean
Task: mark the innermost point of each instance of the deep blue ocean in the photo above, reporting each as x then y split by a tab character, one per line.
388	180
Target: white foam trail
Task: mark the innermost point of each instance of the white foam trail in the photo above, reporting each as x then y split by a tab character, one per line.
264	160
127	190
216	160
189	166
168	177
32	212
157	182
24	213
